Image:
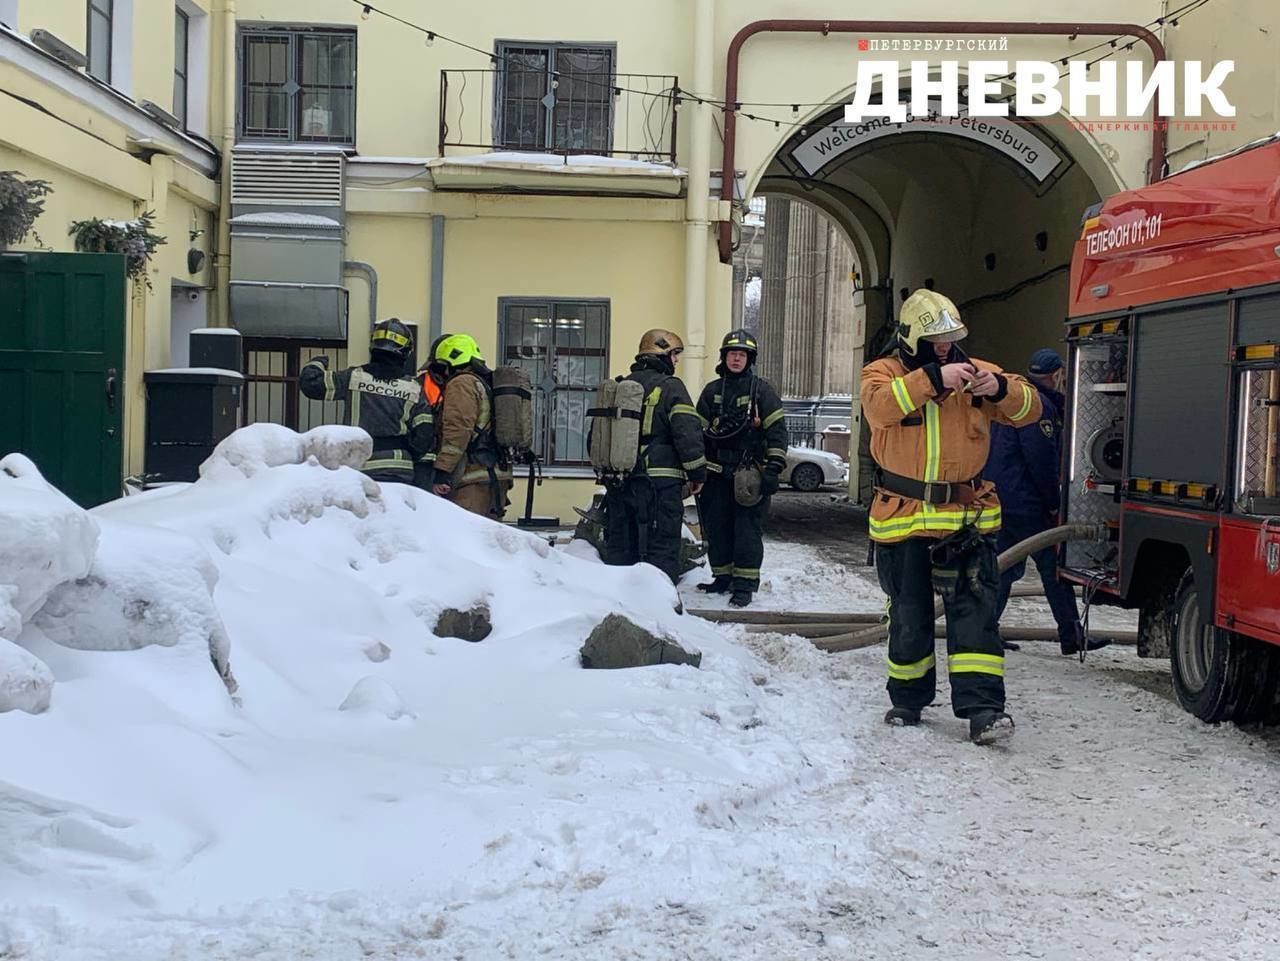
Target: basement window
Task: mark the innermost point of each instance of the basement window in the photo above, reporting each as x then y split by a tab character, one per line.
298	85
564	345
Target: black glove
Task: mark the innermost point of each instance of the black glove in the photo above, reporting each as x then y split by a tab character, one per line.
769	482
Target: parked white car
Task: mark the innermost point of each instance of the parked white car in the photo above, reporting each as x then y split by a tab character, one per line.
808	469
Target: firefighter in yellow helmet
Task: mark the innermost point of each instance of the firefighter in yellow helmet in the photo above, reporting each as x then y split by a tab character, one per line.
933	518
644	515
469	467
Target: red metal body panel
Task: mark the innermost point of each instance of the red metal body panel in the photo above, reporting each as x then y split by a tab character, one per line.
1248	585
1218	229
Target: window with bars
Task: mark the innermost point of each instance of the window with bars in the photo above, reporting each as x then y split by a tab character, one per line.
181	62
271	392
564	345
554	96
298	85
101	13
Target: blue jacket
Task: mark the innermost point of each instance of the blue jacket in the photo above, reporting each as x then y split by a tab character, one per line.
1024	461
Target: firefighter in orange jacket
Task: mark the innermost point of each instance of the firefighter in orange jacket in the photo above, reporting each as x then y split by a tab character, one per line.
933	518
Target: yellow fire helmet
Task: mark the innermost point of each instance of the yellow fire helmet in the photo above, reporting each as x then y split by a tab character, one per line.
458	350
659	341
928	315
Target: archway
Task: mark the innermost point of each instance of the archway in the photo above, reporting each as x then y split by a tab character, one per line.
984	210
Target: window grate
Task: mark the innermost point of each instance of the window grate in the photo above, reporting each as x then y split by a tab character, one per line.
555	97
271	383
298	86
563	344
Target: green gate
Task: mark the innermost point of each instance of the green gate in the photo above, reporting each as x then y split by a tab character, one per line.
62	321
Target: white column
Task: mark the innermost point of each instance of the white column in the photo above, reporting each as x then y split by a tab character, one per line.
697	223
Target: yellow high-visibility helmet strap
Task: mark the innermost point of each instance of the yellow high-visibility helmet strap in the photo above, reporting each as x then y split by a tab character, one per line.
391	336
458	350
928	315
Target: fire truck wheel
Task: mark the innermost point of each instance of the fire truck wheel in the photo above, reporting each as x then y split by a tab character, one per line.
1207	662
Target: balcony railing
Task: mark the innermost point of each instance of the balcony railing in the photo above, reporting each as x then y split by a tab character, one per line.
625	115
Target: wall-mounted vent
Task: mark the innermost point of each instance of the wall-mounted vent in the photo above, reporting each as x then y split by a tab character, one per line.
277	178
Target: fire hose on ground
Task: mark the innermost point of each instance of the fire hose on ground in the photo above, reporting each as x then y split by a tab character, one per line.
831	631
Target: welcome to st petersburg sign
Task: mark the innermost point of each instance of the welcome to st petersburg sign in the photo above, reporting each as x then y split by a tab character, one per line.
1031	152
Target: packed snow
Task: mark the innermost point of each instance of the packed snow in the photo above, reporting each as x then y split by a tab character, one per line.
253	745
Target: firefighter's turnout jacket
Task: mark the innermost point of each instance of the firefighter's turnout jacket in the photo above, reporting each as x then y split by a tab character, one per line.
468	454
921	431
671	446
745	426
386	405
644	515
727	402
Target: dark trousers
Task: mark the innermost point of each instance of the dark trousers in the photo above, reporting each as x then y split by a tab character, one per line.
643	522
734	534
1061	597
975	657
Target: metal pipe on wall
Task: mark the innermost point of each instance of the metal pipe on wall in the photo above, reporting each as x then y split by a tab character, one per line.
435	323
698	196
222	236
371	278
728	162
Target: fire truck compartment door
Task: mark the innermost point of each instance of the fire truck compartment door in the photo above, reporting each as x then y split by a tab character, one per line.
1249	578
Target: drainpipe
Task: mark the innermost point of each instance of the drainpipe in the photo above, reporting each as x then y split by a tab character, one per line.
222	251
371	278
1155	170
435	324
699	195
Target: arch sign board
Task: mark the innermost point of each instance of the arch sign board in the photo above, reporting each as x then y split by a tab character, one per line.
1021	143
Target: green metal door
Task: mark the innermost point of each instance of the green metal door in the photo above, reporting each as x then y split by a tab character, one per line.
62	320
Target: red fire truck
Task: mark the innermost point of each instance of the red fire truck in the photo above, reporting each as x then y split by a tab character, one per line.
1174	424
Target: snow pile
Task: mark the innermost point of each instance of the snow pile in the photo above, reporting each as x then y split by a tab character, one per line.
363	753
47	541
259	447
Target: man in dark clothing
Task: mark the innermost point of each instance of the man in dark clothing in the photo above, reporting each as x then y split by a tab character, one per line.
745	429
1025	465
385	402
644	515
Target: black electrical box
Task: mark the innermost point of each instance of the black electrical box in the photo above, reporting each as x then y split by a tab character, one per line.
189	411
219	347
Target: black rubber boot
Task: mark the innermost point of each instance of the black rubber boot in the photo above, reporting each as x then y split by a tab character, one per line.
1073	647
1010	645
740	599
987	727
718	586
902	717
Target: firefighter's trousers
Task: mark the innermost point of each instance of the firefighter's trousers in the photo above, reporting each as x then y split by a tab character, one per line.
643	522
975	657
479	499
734	534
1061	597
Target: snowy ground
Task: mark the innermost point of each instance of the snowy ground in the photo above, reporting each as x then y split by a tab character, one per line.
519	807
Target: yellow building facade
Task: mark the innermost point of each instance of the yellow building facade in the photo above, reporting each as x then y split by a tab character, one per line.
547	177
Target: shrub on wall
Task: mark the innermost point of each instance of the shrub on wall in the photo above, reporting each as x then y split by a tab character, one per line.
133	238
21	202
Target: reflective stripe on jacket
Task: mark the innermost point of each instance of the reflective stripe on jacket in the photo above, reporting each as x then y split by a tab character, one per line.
933	436
389	408
466	416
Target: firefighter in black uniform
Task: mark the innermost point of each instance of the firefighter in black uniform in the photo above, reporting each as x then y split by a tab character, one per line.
644	515
385	401
745	429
